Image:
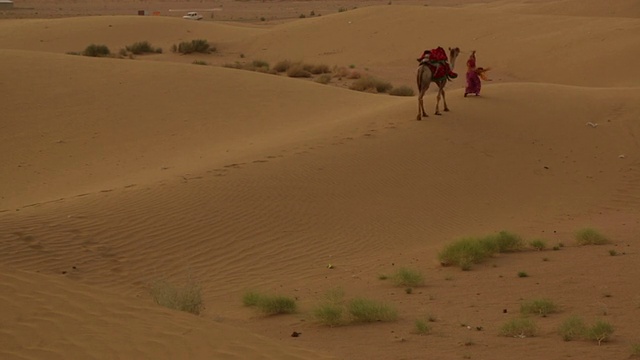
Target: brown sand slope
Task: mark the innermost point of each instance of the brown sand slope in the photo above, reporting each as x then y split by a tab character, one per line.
121	172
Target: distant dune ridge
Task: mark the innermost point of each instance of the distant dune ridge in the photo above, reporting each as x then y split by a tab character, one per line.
119	172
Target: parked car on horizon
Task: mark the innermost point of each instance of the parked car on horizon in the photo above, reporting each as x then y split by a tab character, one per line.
192	15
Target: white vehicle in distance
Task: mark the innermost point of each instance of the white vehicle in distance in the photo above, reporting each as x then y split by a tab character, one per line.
192	15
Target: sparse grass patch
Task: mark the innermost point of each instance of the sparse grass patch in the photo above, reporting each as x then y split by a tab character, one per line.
519	327
464	253
538	244
408	277
269	304
401	91
601	332
542	307
282	65
613	252
186	298
590	236
422	327
522	274
506	241
317	69
96	50
382	277
200	62
193	46
635	350
329	314
572	328
367	310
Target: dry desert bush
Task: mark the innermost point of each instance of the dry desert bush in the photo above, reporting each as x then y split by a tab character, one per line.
519	327
194	46
542	307
590	236
184	298
269	304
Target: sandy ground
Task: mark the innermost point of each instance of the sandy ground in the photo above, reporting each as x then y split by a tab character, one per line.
118	172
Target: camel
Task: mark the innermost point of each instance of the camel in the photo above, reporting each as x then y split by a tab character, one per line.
425	77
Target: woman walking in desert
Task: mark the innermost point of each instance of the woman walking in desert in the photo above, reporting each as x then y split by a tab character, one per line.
474	76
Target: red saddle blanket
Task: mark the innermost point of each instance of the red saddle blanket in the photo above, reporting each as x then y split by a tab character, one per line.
437	61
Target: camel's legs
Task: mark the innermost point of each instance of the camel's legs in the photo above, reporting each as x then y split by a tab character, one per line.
421	111
438	101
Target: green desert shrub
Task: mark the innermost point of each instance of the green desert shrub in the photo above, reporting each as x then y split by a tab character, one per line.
408	277
542	307
601	332
422	327
142	47
589	236
506	241
367	310
635	350
184	298
538	244
96	50
464	253
329	313
193	46
269	304
371	84
519	327
572	328
401	91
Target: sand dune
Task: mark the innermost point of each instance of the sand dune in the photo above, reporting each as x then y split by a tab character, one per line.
119	172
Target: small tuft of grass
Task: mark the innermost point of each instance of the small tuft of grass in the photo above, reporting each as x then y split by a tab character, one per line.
200	62
542	307
251	298
95	50
422	327
329	314
635	350
186	298
522	274
367	310
282	65
601	332
519	327
612	252
408	277
538	244
590	236
382	277
572	328
402	91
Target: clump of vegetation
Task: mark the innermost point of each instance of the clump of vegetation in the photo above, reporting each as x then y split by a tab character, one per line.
538	244
335	311
282	65
612	252
323	79
519	327
186	298
367	310
371	84
401	91
572	328
522	274
297	70
96	50
468	251
200	62
542	307
422	327
589	236
270	304
408	277
193	46
142	47
317	69
601	332
635	350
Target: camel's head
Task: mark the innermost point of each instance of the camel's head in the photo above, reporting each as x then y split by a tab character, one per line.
453	53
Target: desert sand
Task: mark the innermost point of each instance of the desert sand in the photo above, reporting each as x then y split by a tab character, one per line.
117	172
